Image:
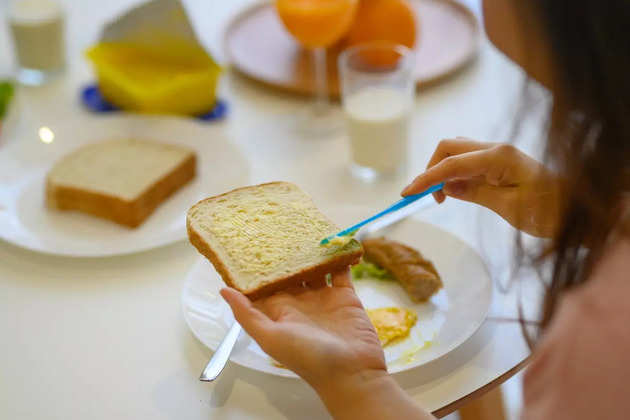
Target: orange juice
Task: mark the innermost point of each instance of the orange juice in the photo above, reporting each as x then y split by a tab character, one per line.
317	23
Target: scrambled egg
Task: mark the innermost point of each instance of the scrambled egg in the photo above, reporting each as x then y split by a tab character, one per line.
392	323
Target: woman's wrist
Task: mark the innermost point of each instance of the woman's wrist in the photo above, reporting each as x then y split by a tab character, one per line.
369	394
345	394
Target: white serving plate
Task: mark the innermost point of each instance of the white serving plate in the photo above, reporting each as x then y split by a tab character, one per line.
25	160
444	323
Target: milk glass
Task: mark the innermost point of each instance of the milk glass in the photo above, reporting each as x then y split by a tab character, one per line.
37	27
377	90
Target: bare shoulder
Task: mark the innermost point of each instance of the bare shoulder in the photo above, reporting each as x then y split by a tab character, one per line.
616	261
607	292
586	349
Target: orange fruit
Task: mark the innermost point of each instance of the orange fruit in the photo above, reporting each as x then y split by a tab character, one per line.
383	20
317	23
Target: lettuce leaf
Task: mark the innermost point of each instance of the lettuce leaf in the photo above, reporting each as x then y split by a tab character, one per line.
366	269
6	94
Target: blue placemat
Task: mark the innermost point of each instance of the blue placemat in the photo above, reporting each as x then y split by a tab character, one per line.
93	100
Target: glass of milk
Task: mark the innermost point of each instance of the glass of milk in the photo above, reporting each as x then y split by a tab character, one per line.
37	27
377	90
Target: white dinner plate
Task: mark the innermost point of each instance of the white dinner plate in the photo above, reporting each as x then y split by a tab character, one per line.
444	323
25	160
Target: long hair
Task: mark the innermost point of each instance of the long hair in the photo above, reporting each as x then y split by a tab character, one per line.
589	137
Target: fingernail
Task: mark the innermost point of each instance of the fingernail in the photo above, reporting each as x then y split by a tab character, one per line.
455	189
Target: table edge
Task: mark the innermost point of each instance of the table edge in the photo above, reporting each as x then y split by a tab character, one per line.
479	392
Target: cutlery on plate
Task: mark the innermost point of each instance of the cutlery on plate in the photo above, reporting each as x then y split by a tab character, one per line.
404	202
220	357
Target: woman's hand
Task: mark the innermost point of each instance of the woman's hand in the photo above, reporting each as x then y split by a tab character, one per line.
321	334
325	336
499	177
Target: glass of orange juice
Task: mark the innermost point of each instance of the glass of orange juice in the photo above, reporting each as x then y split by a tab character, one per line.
317	24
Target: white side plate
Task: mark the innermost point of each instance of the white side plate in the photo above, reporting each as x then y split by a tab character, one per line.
444	323
24	162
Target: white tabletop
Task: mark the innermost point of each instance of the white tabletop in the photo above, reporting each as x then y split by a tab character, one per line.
105	338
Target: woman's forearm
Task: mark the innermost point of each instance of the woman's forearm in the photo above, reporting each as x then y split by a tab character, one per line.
369	395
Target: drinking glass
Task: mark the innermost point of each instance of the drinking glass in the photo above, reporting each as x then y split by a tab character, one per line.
377	90
37	27
317	24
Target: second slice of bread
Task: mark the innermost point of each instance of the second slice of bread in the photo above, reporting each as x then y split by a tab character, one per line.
265	238
120	180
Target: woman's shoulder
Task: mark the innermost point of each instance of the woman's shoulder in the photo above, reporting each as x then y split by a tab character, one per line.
609	285
580	367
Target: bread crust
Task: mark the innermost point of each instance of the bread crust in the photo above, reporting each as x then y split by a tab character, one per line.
247	187
128	213
313	274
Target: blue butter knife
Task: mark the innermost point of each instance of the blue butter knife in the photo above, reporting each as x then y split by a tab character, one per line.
396	206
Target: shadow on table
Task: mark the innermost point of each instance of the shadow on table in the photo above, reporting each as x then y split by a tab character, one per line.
291	397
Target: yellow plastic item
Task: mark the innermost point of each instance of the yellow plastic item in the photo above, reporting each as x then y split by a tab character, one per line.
176	79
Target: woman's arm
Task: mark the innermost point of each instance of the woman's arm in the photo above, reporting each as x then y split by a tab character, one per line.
370	395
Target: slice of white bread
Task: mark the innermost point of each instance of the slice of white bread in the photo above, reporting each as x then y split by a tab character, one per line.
265	238
120	180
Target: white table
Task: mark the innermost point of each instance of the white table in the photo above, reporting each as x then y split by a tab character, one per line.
105	338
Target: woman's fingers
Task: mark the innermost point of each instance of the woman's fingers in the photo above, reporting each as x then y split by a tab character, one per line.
342	279
477	191
496	163
445	149
453	147
458	189
467	165
255	322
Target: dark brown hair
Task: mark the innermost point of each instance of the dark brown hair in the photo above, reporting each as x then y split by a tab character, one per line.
589	136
